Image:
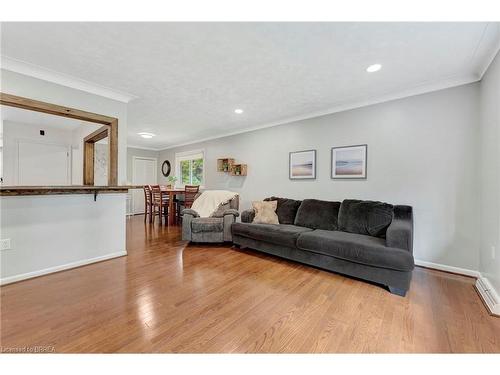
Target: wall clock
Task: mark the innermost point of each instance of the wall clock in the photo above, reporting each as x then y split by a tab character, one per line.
165	168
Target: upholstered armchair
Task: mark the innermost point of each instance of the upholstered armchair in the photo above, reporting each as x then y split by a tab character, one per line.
216	228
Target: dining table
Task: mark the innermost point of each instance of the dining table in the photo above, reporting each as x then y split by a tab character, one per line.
172	194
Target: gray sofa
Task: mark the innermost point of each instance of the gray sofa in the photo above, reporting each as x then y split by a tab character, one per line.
215	229
364	239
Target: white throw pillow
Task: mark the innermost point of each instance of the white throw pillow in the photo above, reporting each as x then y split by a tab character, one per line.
265	212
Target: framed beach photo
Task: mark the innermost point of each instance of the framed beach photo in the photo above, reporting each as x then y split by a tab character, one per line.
349	162
302	165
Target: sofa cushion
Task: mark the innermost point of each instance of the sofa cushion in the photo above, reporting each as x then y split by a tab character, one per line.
316	214
356	248
365	217
279	234
207	224
287	209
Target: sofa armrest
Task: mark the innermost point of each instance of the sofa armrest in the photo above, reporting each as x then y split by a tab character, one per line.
231	211
400	232
228	220
188	211
247	216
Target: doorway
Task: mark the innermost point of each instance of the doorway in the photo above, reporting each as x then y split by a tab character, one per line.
144	172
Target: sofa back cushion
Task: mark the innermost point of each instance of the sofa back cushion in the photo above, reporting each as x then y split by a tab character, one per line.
365	217
316	214
287	209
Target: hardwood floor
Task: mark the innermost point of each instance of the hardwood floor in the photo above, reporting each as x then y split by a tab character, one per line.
168	296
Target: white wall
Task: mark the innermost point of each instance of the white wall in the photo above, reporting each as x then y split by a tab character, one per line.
490	174
33	88
422	151
51	232
14	132
72	138
101	152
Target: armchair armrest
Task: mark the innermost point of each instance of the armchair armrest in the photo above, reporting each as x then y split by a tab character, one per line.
247	216
229	217
231	211
188	211
400	232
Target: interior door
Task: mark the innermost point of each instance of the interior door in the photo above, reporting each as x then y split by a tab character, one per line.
144	174
42	164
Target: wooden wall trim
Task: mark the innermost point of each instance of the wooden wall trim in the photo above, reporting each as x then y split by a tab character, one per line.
88	163
97	135
54	109
113	150
9	191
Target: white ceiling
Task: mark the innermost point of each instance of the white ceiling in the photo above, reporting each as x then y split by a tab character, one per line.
189	77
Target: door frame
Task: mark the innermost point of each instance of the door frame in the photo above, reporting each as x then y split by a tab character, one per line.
111	124
134	158
89	153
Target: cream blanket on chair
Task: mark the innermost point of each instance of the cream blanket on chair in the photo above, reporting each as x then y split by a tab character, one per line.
208	202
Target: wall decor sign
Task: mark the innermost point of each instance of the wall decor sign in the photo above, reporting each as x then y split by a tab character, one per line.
349	162
302	165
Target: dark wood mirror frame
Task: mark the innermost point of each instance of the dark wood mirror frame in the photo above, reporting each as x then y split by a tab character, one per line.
110	130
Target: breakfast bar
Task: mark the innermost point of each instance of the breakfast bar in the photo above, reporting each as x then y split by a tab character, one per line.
9	191
47	229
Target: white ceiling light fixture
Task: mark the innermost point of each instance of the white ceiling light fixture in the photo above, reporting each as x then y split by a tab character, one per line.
147	135
374	68
238	111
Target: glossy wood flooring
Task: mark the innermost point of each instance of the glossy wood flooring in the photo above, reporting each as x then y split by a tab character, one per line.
168	296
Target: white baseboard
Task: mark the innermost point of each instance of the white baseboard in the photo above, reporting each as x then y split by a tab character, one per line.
444	267
67	266
489	295
483	286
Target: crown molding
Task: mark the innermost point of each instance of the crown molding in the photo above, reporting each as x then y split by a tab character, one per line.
35	71
423	88
487	48
145	148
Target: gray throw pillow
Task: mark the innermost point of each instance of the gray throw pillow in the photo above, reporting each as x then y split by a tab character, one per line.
317	214
365	217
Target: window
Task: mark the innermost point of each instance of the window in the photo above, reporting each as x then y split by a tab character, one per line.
190	168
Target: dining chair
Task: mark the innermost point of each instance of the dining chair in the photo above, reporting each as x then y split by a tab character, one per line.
190	194
148	207
159	203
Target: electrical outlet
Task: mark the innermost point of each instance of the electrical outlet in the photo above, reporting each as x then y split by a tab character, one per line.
493	252
5	244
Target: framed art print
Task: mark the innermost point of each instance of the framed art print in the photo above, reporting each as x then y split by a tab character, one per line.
349	162
302	165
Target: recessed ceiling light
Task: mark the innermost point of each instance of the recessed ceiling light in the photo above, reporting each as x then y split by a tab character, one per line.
238	111
146	135
374	68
